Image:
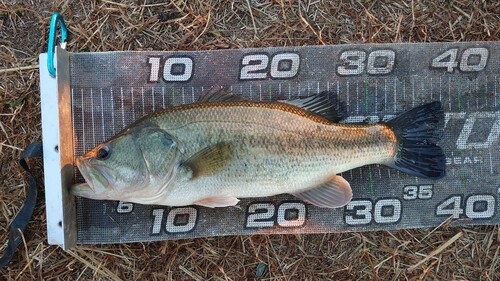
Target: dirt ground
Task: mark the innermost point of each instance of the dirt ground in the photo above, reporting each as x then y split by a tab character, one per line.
471	253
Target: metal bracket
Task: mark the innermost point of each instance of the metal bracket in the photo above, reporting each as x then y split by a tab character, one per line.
58	150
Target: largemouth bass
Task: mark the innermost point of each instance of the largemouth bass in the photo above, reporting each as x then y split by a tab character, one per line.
224	147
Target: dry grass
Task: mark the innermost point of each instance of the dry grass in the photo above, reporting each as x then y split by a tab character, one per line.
446	253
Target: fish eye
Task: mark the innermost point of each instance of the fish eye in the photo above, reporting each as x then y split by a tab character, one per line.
103	153
169	142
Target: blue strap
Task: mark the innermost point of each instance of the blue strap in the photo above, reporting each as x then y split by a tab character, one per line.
56	18
22	218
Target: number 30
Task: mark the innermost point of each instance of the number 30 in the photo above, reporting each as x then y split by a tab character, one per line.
353	62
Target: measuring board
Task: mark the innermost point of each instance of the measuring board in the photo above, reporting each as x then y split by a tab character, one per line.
101	93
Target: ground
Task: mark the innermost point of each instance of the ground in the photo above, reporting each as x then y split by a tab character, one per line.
444	253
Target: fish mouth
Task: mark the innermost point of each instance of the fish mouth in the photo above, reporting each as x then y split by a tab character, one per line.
82	189
95	179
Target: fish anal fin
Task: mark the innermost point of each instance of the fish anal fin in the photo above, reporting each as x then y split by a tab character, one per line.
219	94
217	201
209	160
322	104
334	193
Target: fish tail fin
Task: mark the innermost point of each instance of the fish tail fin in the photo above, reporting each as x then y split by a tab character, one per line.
417	132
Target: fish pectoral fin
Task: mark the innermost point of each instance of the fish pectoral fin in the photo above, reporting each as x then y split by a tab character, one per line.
217	201
322	105
209	160
333	194
217	94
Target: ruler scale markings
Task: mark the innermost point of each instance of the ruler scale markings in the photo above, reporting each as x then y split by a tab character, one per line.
481	170
357	95
289	91
376	94
440	89
279	89
449	93
347	94
385	95
123	107
432	88
260	92
132	100
192	94
76	149
366	97
477	91
317	88
422	88
92	119
412	80
491	162
74	133
463	183
469	91
495	84
142	99
486	90
112	111
83	122
153	97
183	96
404	90
372	182
102	114
395	95
459	95
174	98
453	165
486	97
163	96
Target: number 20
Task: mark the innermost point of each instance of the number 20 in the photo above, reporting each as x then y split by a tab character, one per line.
262	215
256	66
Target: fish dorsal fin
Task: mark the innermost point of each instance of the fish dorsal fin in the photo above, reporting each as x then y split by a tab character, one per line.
320	104
209	160
333	194
217	201
220	95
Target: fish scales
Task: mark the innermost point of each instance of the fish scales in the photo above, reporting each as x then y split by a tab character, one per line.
275	151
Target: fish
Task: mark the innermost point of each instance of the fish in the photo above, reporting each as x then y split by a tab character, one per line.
223	148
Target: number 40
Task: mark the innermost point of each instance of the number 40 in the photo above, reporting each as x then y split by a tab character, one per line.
479	206
448	60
